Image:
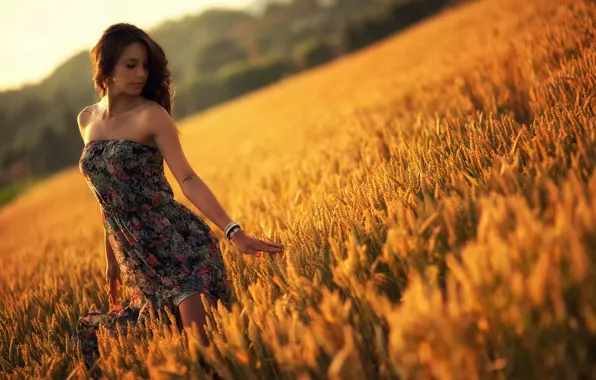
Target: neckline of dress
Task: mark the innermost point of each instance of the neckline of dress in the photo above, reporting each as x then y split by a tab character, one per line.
121	140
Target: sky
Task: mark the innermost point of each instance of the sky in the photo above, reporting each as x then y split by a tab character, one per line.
37	36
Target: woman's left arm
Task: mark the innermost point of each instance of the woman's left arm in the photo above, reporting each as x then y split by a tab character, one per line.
165	134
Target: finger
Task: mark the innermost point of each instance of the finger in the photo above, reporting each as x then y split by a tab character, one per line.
273	245
263	246
257	246
266	249
252	251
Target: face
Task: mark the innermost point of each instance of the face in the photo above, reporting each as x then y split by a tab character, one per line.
131	71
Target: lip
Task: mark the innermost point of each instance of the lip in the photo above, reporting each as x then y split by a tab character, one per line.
139	84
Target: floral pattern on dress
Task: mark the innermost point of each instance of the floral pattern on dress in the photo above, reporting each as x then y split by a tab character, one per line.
165	251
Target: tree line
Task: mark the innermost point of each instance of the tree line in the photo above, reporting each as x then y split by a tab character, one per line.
38	132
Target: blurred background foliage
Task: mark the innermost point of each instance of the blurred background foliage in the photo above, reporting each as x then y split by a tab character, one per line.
214	56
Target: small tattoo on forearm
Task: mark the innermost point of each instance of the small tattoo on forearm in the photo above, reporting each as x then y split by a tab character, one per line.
188	177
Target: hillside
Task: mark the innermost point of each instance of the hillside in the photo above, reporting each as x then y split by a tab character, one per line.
214	56
436	194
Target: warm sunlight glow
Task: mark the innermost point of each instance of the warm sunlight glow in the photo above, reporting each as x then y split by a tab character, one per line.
36	36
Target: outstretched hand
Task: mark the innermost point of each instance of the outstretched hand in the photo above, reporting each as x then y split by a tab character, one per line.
251	246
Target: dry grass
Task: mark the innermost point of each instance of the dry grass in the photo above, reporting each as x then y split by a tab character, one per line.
437	193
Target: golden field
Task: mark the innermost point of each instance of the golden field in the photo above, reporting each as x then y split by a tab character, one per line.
436	194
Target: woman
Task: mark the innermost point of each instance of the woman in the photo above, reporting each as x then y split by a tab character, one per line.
168	255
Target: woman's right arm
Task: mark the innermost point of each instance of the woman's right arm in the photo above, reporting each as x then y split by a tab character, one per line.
112	271
109	251
108	247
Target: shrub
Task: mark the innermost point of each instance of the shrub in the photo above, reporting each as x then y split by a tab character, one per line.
396	17
218	54
312	53
240	78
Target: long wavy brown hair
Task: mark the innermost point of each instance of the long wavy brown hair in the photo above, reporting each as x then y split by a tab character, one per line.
110	46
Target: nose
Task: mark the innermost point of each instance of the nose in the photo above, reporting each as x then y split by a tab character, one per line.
142	72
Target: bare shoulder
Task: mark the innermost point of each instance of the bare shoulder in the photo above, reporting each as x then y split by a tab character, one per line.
155	117
84	118
153	109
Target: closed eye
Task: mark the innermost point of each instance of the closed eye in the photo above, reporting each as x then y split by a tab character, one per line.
133	66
